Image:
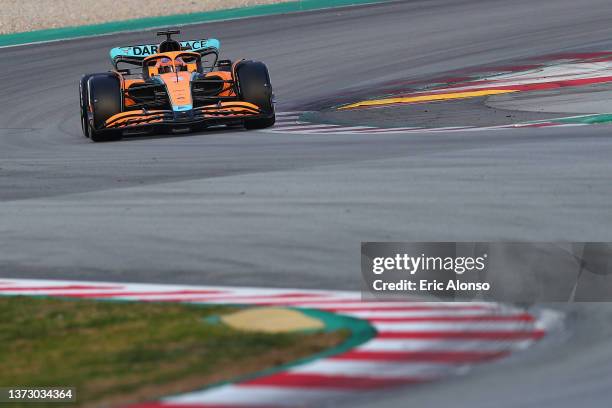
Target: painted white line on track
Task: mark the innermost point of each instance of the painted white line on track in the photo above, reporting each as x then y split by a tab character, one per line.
442	345
455	326
373	314
259	396
292	126
367	368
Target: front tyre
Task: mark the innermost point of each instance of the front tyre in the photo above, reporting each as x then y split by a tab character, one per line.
83	101
104	96
255	87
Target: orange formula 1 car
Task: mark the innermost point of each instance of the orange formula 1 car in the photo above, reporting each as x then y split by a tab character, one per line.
180	86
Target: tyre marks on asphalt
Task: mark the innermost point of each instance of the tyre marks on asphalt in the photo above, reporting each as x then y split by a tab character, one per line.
291	123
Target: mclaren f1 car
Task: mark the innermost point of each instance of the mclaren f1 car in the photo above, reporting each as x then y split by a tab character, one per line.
176	86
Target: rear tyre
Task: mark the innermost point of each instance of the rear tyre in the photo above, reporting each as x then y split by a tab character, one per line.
104	96
255	87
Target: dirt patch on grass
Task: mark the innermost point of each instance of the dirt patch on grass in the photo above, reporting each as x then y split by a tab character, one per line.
116	353
28	15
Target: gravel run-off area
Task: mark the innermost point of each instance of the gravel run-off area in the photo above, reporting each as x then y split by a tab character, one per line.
27	15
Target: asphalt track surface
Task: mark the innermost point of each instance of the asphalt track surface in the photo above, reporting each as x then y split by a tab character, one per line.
258	209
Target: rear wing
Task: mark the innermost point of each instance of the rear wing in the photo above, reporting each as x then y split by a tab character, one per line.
134	54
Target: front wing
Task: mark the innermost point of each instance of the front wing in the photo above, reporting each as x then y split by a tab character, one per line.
209	115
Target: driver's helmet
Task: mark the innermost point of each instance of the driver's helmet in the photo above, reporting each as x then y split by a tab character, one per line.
164	65
180	65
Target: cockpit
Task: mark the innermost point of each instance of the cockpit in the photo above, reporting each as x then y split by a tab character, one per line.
171	62
165	65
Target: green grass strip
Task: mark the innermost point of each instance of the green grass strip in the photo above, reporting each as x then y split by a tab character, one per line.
173	20
116	352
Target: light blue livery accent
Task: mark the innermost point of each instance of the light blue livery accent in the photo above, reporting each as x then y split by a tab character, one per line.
143	51
182	108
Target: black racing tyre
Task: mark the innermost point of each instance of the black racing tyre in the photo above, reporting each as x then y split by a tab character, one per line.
104	95
83	98
255	87
260	123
